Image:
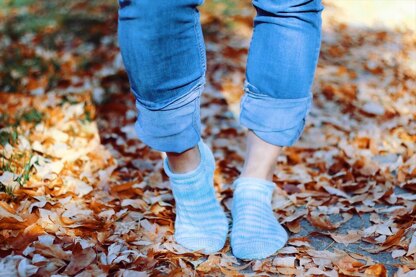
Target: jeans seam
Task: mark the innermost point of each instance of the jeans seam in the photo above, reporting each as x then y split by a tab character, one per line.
299	131
256	95
198	86
198	37
241	108
303	124
250	47
194	117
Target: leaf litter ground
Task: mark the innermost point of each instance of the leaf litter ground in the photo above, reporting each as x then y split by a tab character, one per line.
82	196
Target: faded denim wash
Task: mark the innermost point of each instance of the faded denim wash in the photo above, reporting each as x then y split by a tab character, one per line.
163	50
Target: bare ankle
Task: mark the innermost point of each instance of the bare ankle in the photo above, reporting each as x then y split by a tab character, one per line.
258	173
260	160
185	161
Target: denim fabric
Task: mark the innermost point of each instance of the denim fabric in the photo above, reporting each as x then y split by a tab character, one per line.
173	128
163	51
281	64
278	121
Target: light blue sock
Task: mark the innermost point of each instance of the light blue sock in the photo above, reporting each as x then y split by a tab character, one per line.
200	222
255	233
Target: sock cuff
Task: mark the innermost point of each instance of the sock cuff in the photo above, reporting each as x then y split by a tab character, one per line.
253	184
191	176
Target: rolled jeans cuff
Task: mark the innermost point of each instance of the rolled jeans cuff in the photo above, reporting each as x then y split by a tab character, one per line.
277	121
173	128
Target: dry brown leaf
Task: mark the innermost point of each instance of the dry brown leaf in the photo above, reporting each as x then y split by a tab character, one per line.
412	246
80	259
347	264
378	270
352	236
321	221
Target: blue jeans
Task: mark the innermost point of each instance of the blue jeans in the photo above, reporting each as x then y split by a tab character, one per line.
163	50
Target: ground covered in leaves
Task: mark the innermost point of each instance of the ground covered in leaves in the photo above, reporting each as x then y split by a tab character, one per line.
80	195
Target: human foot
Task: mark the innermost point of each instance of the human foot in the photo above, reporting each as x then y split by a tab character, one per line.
255	234
200	222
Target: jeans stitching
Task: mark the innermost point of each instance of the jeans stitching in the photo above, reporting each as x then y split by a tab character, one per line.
303	124
195	117
199	37
302	127
256	95
250	47
298	132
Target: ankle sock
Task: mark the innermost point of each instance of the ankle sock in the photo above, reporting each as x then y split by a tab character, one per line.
256	233
200	222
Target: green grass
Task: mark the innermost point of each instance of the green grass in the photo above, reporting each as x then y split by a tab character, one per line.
87	117
8	137
7	190
8	4
31	116
24	176
6	165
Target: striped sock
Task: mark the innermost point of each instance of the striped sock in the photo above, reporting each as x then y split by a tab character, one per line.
200	222
255	233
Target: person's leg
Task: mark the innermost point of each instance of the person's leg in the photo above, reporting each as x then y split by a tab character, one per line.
260	159
163	51
280	69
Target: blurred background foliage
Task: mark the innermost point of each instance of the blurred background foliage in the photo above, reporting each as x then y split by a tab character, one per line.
37	36
46	45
